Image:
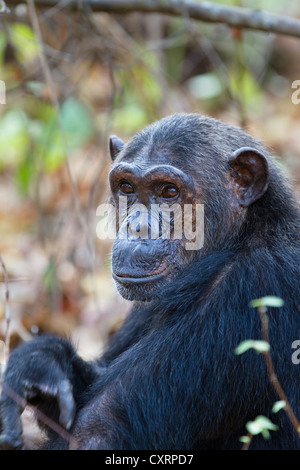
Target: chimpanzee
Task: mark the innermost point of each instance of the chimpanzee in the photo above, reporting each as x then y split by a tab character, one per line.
170	378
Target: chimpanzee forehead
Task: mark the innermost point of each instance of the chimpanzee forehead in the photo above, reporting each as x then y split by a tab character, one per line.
186	155
167	146
189	137
189	142
148	155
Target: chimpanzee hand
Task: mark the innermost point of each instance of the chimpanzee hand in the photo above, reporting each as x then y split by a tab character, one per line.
41	373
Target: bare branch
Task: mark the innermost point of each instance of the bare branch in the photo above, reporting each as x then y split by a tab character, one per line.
22	403
49	80
7	321
205	11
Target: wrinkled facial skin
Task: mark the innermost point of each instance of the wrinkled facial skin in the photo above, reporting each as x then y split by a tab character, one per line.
181	160
142	265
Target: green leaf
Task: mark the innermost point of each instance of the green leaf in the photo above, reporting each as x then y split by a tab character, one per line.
3	41
244	346
265	433
25	42
76	123
268	301
174	59
35	87
244	439
205	86
278	405
14	138
24	174
130	118
261	425
50	144
258	346
54	153
245	87
50	277
139	98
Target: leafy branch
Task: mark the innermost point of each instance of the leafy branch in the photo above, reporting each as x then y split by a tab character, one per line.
262	424
262	305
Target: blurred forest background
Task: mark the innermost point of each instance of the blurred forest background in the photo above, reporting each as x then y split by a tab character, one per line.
72	79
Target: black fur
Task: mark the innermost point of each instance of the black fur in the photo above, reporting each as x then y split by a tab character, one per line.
170	379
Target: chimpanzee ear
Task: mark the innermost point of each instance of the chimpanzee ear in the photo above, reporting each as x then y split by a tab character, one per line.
115	146
250	173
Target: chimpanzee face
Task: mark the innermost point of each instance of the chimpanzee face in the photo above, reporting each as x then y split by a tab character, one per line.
151	243
161	191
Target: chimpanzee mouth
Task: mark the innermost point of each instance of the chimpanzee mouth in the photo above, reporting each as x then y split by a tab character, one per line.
128	279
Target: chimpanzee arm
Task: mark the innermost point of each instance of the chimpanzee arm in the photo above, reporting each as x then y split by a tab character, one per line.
47	372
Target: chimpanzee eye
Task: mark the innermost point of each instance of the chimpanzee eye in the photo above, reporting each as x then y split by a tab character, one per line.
126	187
169	192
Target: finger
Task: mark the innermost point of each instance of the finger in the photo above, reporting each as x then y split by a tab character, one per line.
66	403
11	442
61	390
11	425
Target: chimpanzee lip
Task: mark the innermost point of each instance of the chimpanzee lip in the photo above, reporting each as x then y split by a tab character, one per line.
127	279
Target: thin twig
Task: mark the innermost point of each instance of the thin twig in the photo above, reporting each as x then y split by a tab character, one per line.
57	428
51	85
247	444
7	322
271	371
209	12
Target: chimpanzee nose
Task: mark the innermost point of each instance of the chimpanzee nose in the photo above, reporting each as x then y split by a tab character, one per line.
137	225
